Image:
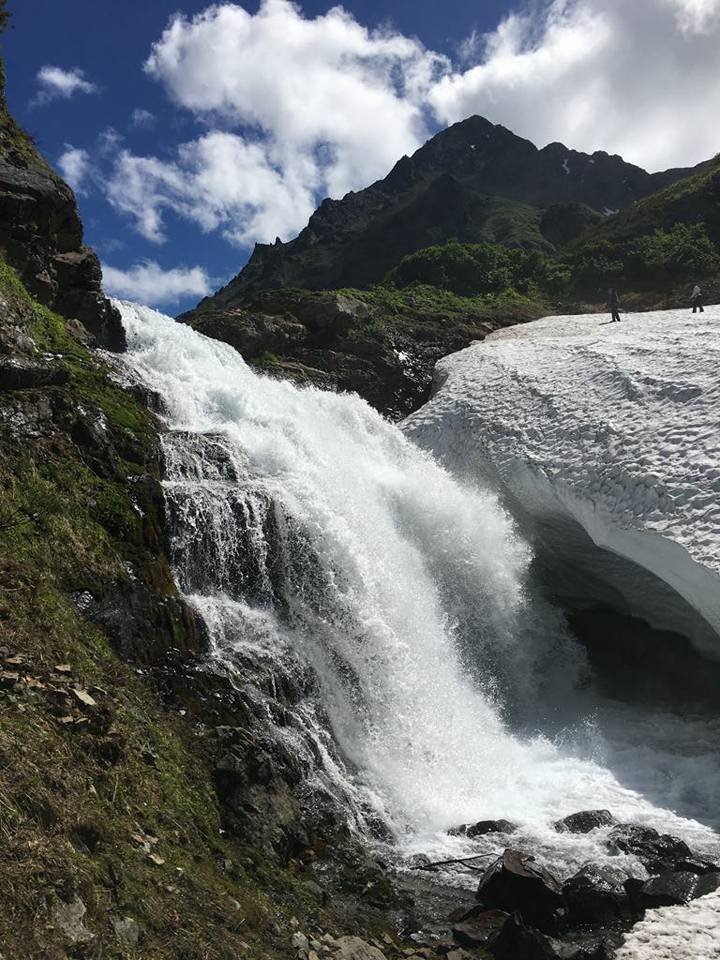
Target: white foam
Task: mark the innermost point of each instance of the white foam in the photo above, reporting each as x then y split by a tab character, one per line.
690	932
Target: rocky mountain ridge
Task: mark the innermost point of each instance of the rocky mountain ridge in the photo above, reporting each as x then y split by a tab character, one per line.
475	181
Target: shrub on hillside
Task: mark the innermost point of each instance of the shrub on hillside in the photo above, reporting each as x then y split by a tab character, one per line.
683	252
478	269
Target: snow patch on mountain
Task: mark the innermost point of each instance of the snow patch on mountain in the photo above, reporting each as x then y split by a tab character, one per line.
605	438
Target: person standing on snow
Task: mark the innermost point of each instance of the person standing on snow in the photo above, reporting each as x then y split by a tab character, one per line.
696	299
614	304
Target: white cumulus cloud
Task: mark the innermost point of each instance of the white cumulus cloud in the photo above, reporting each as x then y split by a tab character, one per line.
219	181
299	109
56	83
75	166
147	282
639	79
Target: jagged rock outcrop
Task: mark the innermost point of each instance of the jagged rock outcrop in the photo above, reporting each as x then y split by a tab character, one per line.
41	236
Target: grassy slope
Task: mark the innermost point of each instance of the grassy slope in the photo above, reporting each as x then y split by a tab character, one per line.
692	200
82	787
658	246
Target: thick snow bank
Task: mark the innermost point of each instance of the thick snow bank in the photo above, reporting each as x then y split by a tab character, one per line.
603	436
690	932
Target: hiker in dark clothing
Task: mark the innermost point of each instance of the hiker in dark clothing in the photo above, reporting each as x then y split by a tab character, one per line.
696	299
614	304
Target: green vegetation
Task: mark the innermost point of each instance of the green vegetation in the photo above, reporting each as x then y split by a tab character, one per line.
478	269
105	795
670	237
684	252
267	360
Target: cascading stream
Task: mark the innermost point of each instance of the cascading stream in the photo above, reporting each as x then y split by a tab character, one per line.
311	534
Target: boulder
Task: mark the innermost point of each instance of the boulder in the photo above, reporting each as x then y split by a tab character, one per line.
667	889
670	889
353	948
515	882
477	928
516	941
482	827
697	865
127	931
69	920
658	852
596	894
41	237
21	373
585	821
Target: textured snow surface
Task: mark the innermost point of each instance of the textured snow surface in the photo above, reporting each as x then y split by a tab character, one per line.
689	932
610	429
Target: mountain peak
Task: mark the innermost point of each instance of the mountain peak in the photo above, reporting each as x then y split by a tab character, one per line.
474	181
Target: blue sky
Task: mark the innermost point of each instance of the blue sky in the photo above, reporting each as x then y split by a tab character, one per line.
185	147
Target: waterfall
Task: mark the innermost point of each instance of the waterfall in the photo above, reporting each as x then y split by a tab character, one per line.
328	553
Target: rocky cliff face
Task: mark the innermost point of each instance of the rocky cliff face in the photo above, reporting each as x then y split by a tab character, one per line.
41	236
474	181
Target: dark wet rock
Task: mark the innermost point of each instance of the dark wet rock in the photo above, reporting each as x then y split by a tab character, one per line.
669	889
707	883
697	865
596	894
483	827
20	373
585	821
517	941
515	882
341	342
142	625
478	927
263	776
657	852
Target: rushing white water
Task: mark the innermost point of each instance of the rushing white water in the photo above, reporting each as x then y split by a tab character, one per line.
314	536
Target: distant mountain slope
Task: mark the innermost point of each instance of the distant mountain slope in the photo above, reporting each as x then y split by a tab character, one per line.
671	236
694	199
474	182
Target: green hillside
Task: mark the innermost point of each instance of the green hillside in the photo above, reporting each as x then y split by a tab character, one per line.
670	237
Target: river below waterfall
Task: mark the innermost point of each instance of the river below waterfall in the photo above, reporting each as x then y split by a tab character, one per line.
438	686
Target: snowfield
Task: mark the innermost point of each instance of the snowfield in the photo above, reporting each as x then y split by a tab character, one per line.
604	436
690	932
